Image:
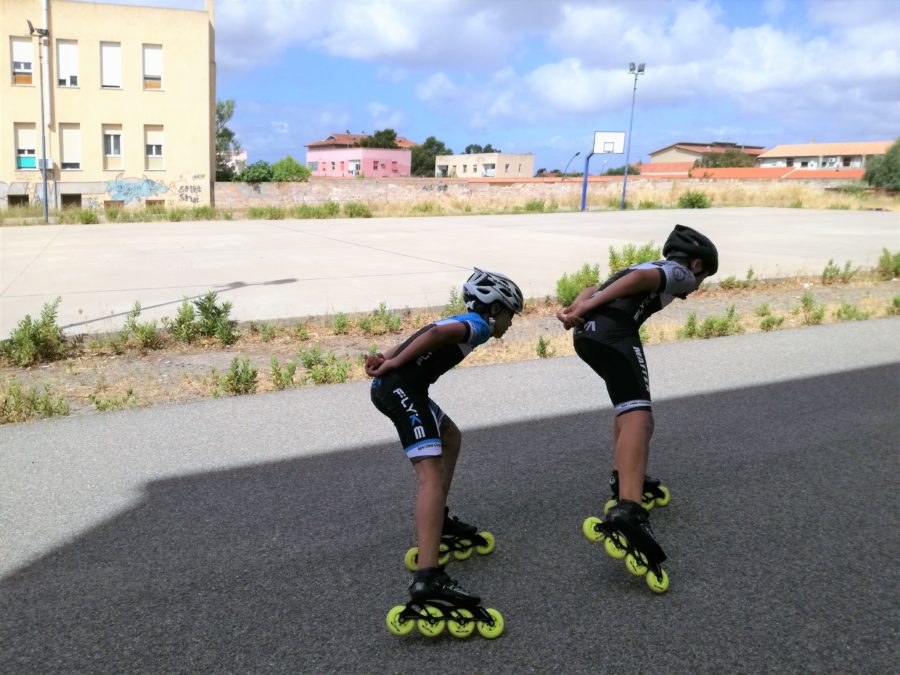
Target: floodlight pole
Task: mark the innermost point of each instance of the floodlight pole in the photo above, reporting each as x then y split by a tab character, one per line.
635	71
42	34
567	165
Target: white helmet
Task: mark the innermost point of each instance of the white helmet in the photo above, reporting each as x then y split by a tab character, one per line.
489	287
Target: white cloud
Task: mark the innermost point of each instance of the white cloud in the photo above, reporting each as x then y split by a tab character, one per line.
385	117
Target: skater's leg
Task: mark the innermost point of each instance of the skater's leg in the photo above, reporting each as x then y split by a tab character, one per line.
430	501
451	441
632	447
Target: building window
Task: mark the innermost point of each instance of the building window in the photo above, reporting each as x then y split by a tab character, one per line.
375	165
342	167
70	147
26	136
506	168
16	200
153	147
112	147
22	60
111	65
332	166
846	161
66	63
313	166
394	167
153	67
70	201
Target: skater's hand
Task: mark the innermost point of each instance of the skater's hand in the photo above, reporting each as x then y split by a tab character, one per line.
373	361
571	315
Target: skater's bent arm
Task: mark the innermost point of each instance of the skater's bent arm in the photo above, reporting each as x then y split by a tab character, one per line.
422	342
638	281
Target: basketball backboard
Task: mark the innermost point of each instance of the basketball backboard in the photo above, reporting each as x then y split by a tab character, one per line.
606	142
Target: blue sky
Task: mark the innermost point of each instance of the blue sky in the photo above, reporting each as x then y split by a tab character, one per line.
542	76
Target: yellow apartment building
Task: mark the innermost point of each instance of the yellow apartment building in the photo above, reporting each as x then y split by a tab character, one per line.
129	103
485	165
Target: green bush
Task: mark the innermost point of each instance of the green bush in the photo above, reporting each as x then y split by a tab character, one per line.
771	322
632	255
833	273
811	314
203	213
341	324
283	377
32	341
568	287
145	334
258	172
894	308
693	199
357	210
183	327
380	322
888	265
733	283
241	377
848	312
649	204
326	210
884	171
534	206
213	318
265	213
329	370
17	405
289	169
763	310
456	304
114	402
543	348
88	217
712	326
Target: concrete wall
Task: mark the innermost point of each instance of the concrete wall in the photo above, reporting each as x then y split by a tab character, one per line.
182	103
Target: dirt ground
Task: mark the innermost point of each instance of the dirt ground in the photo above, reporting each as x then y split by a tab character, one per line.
99	378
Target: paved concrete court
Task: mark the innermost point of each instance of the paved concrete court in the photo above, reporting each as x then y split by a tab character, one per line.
291	268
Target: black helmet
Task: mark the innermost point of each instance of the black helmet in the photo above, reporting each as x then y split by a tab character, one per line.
690	243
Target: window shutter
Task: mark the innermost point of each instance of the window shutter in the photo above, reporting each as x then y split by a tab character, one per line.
68	63
153	61
27	137
111	63
154	136
22	51
70	139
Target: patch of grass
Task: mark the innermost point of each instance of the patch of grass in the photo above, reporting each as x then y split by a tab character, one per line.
712	326
357	210
888	265
848	312
543	349
266	213
839	207
266	332
283	378
832	273
771	322
455	304
427	208
763	310
115	403
645	204
894	308
33	341
569	286
213	318
341	324
311	357
796	204
240	378
693	199
301	332
183	328
146	336
534	206
321	211
329	370
380	322
17	405
733	283
811	313
632	254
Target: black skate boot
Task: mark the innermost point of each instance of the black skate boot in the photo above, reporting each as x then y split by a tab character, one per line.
654	494
438	602
457	538
626	533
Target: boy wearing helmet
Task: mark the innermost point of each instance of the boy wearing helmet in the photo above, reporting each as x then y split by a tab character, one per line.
607	321
430	438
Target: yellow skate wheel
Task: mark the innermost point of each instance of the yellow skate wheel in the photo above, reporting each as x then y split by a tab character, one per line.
611	503
434	624
464	628
398	625
615	546
494	629
664	500
658	584
636	564
443	555
589	528
411	559
488	547
466	552
647	501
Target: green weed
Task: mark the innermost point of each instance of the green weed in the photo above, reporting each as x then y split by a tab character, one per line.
833	273
771	322
145	334
631	254
341	324
848	312
357	210
888	265
456	304
283	377
811	314
213	319
240	378
712	326
544	350
32	341
693	199
569	286
17	405
113	402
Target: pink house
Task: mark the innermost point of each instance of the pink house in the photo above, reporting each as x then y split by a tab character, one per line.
339	156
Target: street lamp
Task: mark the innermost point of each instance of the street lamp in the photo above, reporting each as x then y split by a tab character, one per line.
42	34
567	165
633	71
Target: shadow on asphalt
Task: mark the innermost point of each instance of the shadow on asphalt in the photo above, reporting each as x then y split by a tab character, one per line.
781	535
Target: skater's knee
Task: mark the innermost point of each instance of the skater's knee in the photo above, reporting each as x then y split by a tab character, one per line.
636	423
429	472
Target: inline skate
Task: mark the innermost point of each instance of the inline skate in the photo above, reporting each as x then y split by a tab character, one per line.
654	494
626	533
438	602
458	539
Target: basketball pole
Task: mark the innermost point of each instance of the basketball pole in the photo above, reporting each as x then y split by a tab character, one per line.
587	161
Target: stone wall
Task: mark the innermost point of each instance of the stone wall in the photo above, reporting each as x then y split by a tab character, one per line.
412	191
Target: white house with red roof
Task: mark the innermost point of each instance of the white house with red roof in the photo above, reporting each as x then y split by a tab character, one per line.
835	156
341	156
690	152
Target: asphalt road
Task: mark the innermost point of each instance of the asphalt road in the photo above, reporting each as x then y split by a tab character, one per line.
266	534
294	268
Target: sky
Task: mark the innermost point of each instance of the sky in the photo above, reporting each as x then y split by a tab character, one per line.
542	76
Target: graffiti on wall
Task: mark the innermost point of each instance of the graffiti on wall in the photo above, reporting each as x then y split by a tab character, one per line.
128	189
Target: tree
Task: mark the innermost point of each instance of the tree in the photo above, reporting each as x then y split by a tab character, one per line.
476	149
884	171
386	138
226	141
728	159
423	156
289	169
258	172
620	171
